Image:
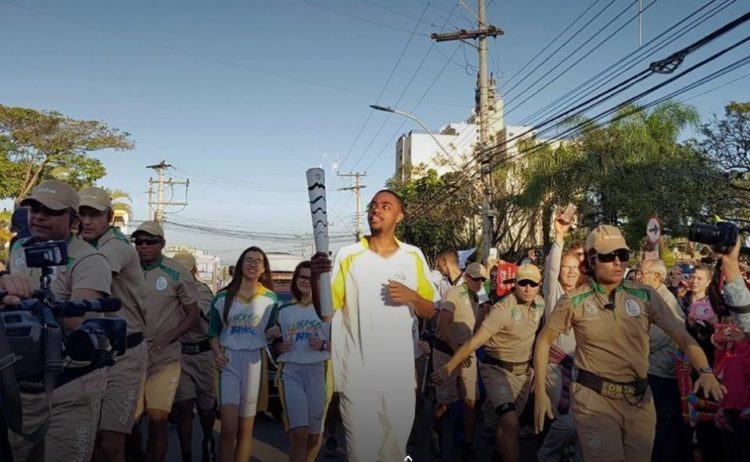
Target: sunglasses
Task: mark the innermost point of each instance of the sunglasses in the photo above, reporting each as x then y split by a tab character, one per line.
480	279
526	282
146	241
621	254
37	207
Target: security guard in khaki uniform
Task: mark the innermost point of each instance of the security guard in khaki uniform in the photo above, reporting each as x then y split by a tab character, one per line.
507	334
456	320
613	407
77	397
198	378
171	311
124	379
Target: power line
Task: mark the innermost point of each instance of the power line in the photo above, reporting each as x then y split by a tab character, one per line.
620	66
554	40
399	13
583	56
662	66
385	86
193	54
589	122
554	53
359	18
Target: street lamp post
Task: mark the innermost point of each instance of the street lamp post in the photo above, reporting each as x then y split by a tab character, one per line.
419	122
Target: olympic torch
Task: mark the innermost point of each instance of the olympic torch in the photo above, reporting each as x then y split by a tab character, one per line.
316	189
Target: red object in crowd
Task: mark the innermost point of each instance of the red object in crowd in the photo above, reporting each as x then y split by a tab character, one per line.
506	278
732	366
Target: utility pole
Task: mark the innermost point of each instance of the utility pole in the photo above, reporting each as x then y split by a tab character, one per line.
357	188
483	31
160	183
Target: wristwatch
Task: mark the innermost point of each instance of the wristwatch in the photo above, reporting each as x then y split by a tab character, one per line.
706	370
323	346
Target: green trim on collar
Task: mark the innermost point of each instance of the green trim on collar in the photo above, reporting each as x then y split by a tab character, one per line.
174	274
153	265
578	299
638	292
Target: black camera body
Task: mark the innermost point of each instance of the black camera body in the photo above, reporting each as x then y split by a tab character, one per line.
34	328
721	236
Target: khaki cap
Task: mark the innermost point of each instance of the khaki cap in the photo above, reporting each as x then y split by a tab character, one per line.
605	239
150	227
186	259
54	194
477	270
96	198
528	273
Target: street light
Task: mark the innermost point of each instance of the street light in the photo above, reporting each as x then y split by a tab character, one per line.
410	116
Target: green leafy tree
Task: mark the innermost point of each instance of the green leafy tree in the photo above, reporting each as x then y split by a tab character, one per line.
726	143
47	144
626	171
121	200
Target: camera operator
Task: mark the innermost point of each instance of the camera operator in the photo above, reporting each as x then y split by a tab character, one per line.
736	293
171	311
124	379
77	396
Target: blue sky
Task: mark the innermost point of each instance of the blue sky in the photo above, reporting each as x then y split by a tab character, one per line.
252	93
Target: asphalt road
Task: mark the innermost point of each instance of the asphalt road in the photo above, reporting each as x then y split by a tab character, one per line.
271	444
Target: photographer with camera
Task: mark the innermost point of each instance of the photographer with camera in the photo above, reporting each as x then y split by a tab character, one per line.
171	311
736	293
76	399
125	378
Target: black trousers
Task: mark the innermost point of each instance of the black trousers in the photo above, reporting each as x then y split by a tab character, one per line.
672	440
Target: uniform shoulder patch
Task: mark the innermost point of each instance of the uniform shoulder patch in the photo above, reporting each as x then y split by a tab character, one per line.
580	294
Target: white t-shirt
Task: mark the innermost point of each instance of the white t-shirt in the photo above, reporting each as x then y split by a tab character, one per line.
372	336
247	320
300	322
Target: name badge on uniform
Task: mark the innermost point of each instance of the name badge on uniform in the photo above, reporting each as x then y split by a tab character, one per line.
161	283
515	314
632	308
590	309
20	260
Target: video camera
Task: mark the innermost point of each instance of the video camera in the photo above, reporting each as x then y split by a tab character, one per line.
34	342
29	325
721	236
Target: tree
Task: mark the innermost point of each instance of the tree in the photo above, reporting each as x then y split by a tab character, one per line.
626	171
121	200
726	143
451	224
44	144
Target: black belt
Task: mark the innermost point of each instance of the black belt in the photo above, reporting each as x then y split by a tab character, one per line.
133	340
613	390
196	348
442	346
514	368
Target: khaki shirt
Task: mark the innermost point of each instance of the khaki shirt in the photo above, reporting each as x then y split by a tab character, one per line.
513	327
128	283
463	305
199	333
613	343
86	269
169	287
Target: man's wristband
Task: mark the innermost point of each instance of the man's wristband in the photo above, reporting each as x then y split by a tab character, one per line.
706	370
323	345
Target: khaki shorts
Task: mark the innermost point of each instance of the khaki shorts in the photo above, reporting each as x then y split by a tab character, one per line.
161	386
198	380
73	423
124	390
461	384
504	387
610	429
